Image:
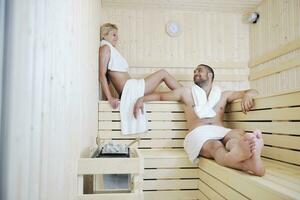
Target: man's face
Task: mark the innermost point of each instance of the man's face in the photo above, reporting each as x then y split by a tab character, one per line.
200	75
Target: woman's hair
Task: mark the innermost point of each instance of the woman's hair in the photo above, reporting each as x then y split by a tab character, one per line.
105	28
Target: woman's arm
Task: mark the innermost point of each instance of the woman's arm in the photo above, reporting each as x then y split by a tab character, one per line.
104	56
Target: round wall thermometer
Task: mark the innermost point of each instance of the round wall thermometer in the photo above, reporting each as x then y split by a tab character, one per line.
173	29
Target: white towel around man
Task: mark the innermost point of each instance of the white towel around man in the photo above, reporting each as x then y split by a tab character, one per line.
195	140
132	90
204	105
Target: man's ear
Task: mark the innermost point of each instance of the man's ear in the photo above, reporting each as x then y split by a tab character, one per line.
210	75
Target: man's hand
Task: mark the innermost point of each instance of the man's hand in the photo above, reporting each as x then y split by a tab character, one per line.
247	103
139	104
114	102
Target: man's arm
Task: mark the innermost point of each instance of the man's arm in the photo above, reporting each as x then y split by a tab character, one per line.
246	96
174	95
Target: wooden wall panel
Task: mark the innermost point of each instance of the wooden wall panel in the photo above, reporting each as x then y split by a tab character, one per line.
50	96
2	143
217	38
277	30
237	6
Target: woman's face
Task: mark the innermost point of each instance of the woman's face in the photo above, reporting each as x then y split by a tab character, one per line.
112	37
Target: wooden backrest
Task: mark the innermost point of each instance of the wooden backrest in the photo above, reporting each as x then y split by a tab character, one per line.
167	126
278	117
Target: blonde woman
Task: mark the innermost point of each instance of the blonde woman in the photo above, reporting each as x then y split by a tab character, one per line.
114	68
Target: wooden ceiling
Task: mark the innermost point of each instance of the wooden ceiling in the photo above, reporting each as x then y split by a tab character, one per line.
209	5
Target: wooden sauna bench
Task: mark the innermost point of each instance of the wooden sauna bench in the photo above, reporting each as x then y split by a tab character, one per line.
169	175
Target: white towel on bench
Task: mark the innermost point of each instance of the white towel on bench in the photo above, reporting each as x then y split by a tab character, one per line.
204	105
132	90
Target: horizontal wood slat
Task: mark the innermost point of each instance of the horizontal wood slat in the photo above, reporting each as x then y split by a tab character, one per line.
272	114
209	192
262	71
169	184
275	53
286	128
168	163
154	134
157	125
170	173
219	186
285	141
163	153
276	101
171	195
154	116
285	155
172	106
123	196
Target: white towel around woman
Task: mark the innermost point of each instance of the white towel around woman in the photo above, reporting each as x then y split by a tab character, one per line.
132	90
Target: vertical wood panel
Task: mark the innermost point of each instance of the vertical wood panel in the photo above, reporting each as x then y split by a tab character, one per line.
50	95
2	142
278	25
207	37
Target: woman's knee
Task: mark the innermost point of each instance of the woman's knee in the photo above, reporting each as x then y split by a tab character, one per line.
163	73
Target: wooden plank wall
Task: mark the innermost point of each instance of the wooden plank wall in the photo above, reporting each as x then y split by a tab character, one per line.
50	96
274	47
278	118
216	38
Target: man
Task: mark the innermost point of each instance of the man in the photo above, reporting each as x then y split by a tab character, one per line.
204	106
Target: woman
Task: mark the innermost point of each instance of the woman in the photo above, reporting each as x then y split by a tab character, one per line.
113	67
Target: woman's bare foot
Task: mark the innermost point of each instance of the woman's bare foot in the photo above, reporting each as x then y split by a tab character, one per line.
241	150
254	165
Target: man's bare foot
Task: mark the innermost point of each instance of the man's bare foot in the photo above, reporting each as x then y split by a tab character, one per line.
242	149
254	165
251	138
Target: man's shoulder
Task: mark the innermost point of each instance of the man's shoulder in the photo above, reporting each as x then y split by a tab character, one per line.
226	93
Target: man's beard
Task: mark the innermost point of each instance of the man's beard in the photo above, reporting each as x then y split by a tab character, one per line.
200	81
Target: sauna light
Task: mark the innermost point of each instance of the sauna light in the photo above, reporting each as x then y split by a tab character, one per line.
251	18
173	29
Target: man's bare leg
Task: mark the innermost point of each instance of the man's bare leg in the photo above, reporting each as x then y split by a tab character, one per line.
237	143
215	149
153	80
254	165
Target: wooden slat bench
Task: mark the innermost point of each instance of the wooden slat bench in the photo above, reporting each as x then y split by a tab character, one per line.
278	117
168	174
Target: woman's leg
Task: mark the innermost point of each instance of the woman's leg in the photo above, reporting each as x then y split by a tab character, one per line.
153	80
